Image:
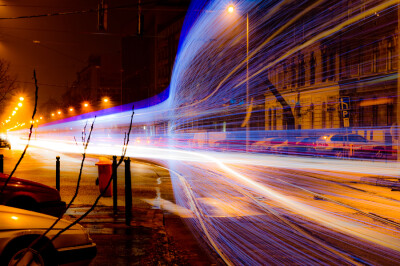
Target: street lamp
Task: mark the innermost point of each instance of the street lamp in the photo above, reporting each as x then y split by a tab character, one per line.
231	9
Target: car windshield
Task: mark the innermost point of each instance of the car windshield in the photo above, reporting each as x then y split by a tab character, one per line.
338	138
356	138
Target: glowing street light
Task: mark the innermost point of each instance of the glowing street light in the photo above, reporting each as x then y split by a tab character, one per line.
16	108
59	112
105	100
20	104
52	114
71	109
231	8
21	98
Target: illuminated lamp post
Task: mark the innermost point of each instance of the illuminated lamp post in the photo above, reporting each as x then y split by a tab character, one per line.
230	10
106	103
71	110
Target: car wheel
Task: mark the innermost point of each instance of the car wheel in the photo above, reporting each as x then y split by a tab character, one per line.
26	256
338	153
378	154
19	253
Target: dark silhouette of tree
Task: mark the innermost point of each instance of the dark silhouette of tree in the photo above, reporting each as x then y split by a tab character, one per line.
7	82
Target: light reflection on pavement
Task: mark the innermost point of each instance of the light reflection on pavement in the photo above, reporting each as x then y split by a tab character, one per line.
264	209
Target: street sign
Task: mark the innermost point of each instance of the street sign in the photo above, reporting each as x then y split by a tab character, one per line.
346	122
344	103
345	108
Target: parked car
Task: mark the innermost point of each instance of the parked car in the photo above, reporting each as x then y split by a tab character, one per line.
266	144
19	228
231	145
283	145
348	145
4	143
304	146
31	196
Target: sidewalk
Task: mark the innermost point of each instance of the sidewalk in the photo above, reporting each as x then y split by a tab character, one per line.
154	236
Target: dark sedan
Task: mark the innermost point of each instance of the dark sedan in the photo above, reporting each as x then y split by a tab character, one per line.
5	143
33	196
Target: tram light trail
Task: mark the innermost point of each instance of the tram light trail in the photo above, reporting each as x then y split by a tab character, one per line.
257	191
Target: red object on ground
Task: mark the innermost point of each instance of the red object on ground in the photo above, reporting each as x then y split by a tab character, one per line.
105	171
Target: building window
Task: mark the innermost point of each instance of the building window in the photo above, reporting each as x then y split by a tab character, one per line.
332	65
302	72
355	55
390	55
293	74
312	69
323	114
375	58
269	119
375	115
324	59
312	115
361	115
285	75
297	111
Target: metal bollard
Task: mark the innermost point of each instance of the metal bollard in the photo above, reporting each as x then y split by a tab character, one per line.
114	178
1	163
128	192
58	173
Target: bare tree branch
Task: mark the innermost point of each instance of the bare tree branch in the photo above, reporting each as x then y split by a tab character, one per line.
7	83
108	184
30	133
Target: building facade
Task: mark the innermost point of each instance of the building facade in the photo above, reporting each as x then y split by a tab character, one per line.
358	62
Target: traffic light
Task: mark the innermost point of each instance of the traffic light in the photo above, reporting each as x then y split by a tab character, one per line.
102	16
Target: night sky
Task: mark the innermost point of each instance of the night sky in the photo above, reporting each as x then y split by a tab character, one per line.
66	41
